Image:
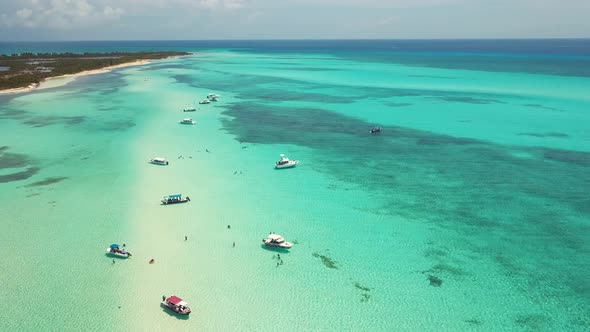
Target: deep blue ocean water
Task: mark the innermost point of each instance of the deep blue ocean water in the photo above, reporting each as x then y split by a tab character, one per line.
569	57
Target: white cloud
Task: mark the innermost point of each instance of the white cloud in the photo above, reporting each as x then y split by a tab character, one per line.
233	4
253	17
24	13
62	14
209	3
112	13
222	4
378	3
134	19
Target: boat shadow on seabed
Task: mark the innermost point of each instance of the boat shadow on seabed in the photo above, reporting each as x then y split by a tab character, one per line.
274	249
109	255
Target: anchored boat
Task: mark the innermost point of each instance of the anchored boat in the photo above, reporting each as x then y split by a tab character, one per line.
114	250
175	199
284	162
159	161
276	241
188	121
177	305
213	96
375	130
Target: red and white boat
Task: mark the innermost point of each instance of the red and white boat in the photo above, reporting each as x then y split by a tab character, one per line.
177	305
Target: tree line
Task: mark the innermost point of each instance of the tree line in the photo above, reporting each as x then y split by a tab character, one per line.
27	68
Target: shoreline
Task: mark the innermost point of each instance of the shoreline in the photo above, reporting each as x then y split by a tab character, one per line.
42	84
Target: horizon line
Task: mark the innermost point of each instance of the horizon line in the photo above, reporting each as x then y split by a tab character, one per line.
298	39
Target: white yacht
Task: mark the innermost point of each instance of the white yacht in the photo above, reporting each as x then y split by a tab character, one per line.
114	250
205	101
188	121
375	130
213	96
159	161
284	162
276	241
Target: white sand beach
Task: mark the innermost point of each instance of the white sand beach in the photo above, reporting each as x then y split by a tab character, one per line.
52	82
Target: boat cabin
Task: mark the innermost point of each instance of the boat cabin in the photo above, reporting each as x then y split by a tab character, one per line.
159	161
177	304
173	199
275	238
283	160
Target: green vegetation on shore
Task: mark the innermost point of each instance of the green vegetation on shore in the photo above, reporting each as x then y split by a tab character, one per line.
22	70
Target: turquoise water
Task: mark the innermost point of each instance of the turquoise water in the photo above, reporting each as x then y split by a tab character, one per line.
470	211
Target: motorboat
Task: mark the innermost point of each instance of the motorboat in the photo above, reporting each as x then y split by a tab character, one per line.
213	96
375	130
177	305
205	101
276	241
114	250
159	161
190	109
284	162
188	121
175	199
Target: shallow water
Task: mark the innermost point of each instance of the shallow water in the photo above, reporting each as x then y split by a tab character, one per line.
468	212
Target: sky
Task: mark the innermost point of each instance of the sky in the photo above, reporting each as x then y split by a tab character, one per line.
40	20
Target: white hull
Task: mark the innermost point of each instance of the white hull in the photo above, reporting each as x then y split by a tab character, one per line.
118	254
288	164
283	245
160	163
176	309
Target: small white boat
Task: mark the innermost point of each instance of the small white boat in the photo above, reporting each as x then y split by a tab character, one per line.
159	161
375	130
177	305
213	96
189	109
188	121
284	162
174	199
276	241
205	101
114	250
